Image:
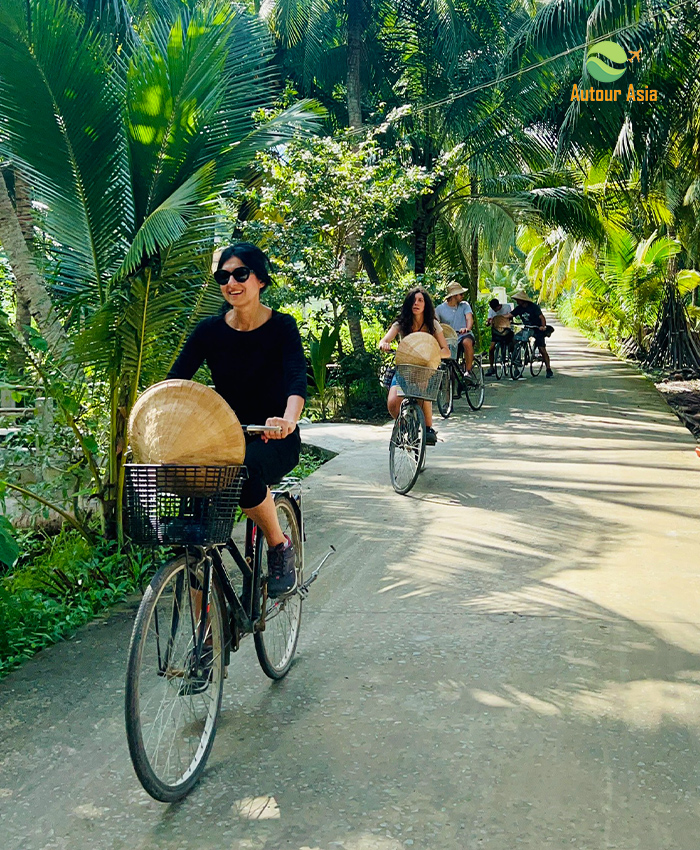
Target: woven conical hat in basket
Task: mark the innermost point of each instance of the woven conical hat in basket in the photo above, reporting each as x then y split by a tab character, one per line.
419	349
500	323
449	331
185	423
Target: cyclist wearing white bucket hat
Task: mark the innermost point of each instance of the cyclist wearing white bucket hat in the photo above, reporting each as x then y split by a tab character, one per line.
457	313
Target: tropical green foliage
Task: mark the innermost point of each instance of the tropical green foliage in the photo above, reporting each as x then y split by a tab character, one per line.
321	353
137	142
307	201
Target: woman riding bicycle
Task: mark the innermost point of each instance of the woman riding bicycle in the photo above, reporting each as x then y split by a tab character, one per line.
417	316
257	364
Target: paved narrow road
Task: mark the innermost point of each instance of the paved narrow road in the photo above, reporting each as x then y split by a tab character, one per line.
507	657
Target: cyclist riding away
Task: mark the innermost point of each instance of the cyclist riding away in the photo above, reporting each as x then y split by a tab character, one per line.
257	364
498	334
457	313
417	316
533	315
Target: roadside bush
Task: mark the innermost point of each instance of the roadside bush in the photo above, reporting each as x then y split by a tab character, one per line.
60	583
364	397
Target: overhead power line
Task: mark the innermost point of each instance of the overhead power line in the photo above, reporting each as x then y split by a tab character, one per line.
491	83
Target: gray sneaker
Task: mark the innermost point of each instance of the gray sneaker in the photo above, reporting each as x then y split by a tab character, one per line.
281	570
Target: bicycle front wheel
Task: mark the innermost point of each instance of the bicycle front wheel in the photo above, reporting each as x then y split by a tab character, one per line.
445	398
499	360
536	362
276	641
476	387
173	701
517	361
407	447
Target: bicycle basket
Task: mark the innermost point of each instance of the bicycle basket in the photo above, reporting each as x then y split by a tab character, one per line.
166	504
419	381
453	345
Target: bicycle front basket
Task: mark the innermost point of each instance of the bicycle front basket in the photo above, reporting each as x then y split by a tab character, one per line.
453	345
167	504
419	381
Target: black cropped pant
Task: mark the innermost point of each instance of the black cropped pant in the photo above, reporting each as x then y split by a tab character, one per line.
267	463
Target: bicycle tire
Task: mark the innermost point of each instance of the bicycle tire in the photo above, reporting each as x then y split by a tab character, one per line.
407	447
276	644
476	390
536	362
517	365
499	360
445	399
170	714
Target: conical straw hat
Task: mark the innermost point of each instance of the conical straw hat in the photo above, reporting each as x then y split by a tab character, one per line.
448	330
419	349
183	422
500	323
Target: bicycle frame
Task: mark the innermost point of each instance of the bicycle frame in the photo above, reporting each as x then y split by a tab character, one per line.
241	619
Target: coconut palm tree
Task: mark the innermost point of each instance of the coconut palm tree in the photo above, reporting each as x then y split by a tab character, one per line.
127	151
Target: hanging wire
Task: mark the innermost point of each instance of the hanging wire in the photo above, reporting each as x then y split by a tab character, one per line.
446	101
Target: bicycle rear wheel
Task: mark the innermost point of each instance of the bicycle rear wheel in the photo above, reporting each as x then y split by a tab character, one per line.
276	643
475	387
407	447
517	361
536	362
445	398
171	703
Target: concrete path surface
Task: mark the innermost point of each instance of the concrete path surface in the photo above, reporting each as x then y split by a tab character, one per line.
506	657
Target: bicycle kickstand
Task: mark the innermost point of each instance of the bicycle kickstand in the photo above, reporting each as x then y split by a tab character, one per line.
303	589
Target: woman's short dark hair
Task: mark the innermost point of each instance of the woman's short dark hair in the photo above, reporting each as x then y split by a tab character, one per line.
406	315
250	255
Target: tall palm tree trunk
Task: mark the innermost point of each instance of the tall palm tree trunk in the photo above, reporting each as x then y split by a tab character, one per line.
354	85
354	100
474	268
28	284
23	205
474	255
420	243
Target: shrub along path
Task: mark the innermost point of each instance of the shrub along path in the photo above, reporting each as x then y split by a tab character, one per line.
509	656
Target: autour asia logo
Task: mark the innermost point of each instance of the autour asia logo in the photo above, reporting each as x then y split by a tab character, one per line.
606	62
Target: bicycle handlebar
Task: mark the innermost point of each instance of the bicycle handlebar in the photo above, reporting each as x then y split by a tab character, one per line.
260	429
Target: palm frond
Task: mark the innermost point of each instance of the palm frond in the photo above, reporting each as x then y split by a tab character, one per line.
57	86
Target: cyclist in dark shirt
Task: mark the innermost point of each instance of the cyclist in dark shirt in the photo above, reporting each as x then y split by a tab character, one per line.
532	315
257	363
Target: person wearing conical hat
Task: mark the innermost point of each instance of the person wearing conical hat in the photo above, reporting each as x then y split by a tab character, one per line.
533	316
417	316
257	362
457	313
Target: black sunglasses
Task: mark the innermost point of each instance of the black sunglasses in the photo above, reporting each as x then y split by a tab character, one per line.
241	274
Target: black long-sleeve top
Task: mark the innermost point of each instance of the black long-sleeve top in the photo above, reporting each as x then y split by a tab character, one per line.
255	371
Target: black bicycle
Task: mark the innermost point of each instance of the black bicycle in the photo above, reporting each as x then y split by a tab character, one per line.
407	443
501	356
525	352
192	615
456	380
